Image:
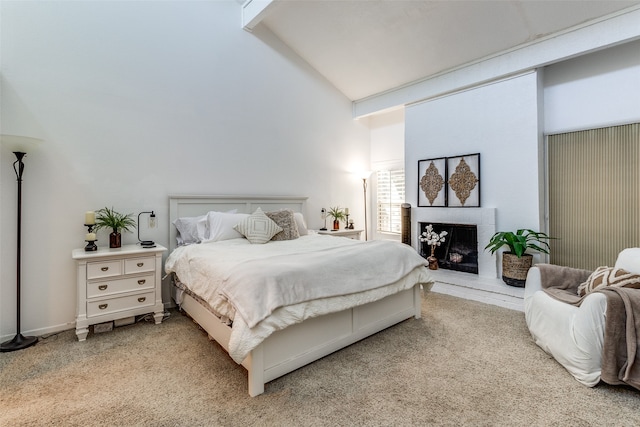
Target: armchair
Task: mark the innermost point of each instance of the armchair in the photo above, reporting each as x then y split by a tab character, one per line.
573	335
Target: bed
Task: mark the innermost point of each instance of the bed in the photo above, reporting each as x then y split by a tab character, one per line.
313	329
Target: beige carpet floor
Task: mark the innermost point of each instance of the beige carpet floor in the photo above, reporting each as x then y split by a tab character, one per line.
463	363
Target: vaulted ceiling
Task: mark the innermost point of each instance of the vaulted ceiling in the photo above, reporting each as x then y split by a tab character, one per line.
367	47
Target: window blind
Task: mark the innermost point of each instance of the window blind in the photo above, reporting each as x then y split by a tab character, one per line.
594	195
389	198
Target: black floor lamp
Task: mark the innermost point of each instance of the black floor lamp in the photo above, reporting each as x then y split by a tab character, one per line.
18	145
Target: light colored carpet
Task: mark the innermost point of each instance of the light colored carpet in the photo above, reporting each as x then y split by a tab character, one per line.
463	363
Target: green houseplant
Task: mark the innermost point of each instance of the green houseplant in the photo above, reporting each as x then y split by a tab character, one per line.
516	262
337	214
117	222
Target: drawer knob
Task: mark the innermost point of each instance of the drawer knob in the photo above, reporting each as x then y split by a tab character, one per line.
102	287
140	264
142	281
142	299
103	306
104	268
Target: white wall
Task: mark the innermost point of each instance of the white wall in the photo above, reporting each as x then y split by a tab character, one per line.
501	122
139	100
597	90
505	121
387	137
387	151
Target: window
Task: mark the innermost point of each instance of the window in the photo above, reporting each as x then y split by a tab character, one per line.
389	198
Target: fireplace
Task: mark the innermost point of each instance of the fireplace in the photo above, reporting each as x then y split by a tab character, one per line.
485	286
483	219
459	251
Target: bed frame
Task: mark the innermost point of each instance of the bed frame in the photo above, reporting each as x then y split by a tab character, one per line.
298	345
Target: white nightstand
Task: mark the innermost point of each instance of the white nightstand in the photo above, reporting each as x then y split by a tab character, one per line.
351	234
117	283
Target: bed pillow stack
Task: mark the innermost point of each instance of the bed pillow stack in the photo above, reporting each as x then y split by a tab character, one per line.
217	226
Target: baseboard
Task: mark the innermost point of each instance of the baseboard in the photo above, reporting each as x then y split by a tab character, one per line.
42	331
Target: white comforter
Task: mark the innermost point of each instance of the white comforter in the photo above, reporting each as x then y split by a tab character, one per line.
209	269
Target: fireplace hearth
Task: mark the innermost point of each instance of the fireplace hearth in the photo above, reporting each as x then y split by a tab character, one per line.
459	252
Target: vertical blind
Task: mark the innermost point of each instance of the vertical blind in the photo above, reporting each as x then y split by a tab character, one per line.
594	195
389	198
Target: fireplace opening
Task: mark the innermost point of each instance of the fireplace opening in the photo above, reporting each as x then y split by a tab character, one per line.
459	251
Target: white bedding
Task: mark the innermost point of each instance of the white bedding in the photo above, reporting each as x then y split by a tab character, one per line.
204	269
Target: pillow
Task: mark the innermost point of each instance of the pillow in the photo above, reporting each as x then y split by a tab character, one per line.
258	228
609	276
220	226
190	230
629	259
302	224
285	220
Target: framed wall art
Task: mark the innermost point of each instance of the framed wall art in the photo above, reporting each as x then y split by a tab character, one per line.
432	185
463	181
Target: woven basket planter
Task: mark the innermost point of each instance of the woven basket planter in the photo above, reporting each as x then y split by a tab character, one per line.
514	269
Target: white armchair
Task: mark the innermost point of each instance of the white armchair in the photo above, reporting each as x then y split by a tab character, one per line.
574	336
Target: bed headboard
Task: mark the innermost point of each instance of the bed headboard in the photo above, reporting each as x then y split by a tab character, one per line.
190	205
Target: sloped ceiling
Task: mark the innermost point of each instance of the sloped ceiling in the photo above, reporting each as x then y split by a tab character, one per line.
367	47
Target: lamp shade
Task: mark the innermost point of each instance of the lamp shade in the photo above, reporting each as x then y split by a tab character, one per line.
364	174
21	144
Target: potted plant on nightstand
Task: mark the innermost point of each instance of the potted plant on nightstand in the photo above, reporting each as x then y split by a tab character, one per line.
117	222
337	214
515	262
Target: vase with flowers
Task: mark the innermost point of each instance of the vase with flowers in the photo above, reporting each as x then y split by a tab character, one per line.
432	239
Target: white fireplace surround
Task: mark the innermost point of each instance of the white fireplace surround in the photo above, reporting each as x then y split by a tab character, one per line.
483	218
486	286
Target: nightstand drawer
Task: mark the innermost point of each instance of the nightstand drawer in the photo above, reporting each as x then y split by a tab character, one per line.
112	305
139	265
116	286
98	270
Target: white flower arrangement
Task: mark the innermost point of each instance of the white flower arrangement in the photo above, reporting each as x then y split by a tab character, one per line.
432	238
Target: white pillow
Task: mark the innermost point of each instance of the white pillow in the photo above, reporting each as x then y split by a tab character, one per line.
221	226
258	227
629	259
190	229
301	223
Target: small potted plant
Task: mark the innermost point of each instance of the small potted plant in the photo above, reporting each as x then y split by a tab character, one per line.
515	262
117	222
338	215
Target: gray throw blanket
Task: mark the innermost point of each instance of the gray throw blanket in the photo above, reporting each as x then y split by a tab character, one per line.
620	355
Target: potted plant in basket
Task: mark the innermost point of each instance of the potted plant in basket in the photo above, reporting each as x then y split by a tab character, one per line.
337	214
117	222
515	262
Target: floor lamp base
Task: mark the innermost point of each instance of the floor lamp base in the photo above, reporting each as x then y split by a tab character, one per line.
18	343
